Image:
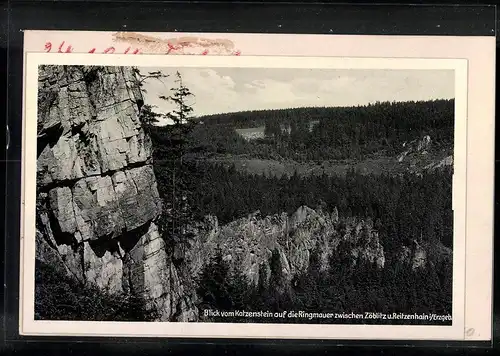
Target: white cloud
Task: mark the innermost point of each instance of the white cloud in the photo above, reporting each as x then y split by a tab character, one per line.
220	90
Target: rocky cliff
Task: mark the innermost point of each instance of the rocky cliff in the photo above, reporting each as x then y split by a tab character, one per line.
97	199
248	243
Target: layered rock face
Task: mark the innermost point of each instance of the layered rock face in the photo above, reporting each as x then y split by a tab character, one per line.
97	196
248	243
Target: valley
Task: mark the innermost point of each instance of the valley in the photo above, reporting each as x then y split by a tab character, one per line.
283	207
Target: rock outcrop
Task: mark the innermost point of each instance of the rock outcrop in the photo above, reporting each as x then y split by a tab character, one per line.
97	199
445	162
415	147
248	243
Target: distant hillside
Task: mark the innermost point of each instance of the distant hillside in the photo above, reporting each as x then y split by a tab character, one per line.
318	134
409	115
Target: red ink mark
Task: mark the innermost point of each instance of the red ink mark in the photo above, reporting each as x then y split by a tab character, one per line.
171	47
60	47
110	50
69	49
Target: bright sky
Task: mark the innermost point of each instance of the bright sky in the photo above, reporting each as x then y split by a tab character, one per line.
219	90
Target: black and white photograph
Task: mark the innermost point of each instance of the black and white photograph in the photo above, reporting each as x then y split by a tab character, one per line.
245	195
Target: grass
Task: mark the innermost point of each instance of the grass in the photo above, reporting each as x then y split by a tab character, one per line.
370	165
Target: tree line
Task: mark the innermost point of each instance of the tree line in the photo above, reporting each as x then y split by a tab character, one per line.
320	133
406	207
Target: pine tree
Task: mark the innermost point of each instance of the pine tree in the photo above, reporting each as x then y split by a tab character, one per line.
148	117
239	290
276	268
214	289
182	113
177	174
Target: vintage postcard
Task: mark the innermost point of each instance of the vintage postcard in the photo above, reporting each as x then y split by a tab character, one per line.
232	194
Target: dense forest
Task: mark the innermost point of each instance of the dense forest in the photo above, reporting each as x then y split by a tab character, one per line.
341	289
328	133
406	206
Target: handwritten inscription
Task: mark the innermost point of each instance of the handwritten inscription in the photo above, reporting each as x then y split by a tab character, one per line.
171	48
68	48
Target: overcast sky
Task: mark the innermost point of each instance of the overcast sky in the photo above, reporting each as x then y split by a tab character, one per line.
219	90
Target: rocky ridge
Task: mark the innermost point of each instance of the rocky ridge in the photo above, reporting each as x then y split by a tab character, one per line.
248	243
421	155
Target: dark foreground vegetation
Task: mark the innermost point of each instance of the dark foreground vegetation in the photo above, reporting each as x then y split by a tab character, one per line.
341	289
60	297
